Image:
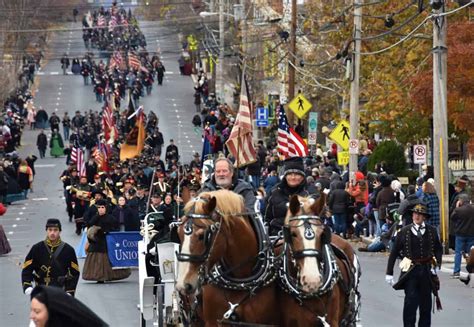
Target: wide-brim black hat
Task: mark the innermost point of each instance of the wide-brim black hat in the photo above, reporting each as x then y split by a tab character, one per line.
421	209
294	165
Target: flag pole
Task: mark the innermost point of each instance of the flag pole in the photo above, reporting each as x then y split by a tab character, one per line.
238	112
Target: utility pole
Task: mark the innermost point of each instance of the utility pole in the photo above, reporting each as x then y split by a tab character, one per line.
440	120
354	103
220	63
291	66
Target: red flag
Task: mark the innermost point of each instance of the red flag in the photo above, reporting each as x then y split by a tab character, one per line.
290	144
240	142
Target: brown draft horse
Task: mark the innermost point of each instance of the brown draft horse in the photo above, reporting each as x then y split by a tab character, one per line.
320	288
213	231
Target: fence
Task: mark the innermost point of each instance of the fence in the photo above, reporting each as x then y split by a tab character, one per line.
459	164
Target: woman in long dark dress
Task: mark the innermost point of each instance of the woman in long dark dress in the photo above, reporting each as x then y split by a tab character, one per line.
125	216
97	266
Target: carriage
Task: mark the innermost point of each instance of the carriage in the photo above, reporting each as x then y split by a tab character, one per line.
157	275
228	272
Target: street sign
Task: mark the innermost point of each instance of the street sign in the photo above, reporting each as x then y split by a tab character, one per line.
312	138
300	106
354	146
341	134
262	116
313	122
343	158
419	154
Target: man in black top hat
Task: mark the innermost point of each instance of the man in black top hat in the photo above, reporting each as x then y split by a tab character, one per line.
419	246
293	182
51	262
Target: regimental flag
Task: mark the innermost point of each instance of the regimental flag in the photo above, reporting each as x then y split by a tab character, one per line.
240	142
134	61
290	144
135	141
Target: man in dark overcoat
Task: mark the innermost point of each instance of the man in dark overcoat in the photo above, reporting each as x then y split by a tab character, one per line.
419	246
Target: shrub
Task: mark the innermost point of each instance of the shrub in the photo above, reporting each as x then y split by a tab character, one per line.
392	154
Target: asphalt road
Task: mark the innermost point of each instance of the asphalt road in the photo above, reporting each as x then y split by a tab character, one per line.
173	103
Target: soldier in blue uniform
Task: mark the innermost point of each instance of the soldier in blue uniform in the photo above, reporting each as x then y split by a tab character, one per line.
51	262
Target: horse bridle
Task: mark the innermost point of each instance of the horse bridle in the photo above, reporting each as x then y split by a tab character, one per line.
210	233
308	234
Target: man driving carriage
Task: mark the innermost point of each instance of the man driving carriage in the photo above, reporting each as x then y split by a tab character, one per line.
224	178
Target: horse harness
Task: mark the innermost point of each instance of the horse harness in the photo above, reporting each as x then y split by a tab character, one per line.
220	275
326	256
329	255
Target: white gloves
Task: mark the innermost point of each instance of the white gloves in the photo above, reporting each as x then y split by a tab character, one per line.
29	290
389	279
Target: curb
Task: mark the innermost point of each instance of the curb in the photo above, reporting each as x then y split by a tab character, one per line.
447	258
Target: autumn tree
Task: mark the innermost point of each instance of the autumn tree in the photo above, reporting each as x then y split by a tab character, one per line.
460	42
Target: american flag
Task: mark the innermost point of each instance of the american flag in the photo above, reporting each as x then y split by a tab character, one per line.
134	61
74	154
79	160
97	156
101	21
116	61
108	123
240	142
112	23
290	144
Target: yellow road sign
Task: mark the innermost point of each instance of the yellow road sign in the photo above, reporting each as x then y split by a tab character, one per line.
300	105
343	158
341	134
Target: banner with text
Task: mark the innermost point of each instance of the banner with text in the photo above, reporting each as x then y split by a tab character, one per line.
123	249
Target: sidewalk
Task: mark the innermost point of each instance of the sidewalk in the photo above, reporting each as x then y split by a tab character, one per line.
448	259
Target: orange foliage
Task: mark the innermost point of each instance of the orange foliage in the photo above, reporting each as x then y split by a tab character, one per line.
460	79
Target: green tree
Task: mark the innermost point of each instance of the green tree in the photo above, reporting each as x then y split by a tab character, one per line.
392	154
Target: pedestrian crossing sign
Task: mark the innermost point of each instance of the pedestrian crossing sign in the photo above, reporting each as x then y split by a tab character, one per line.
300	105
343	158
341	134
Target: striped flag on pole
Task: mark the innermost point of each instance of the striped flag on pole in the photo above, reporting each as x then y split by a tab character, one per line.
290	144
134	61
101	21
74	155
240	142
112	23
80	162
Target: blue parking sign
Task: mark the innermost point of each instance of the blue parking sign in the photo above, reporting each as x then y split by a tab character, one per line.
262	117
